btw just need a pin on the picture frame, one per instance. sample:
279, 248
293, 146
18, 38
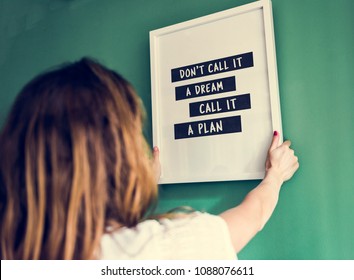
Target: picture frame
215, 97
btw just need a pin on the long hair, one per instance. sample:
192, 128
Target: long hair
73, 162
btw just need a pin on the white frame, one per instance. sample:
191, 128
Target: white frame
155, 35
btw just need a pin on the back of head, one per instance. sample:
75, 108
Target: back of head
73, 162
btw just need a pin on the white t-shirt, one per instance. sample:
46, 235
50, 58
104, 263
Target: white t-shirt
197, 236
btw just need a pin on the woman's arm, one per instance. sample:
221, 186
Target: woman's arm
248, 218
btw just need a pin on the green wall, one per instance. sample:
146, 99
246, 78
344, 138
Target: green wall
315, 41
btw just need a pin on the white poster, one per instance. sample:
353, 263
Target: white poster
215, 95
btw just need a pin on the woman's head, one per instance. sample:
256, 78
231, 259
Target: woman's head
73, 162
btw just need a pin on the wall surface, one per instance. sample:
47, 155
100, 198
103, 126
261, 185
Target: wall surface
315, 50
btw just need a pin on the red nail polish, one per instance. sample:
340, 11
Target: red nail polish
275, 133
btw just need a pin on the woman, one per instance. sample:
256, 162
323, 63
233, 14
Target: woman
77, 180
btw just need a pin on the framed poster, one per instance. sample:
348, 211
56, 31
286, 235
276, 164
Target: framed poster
215, 99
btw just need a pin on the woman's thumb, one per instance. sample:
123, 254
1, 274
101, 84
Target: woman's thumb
156, 153
275, 141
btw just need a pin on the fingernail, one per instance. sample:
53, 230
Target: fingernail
275, 133
156, 148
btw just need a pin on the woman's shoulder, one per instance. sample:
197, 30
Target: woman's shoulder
193, 236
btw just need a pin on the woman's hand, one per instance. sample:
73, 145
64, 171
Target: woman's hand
281, 159
156, 165
249, 217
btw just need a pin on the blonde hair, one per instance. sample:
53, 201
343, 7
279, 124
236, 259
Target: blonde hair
73, 162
